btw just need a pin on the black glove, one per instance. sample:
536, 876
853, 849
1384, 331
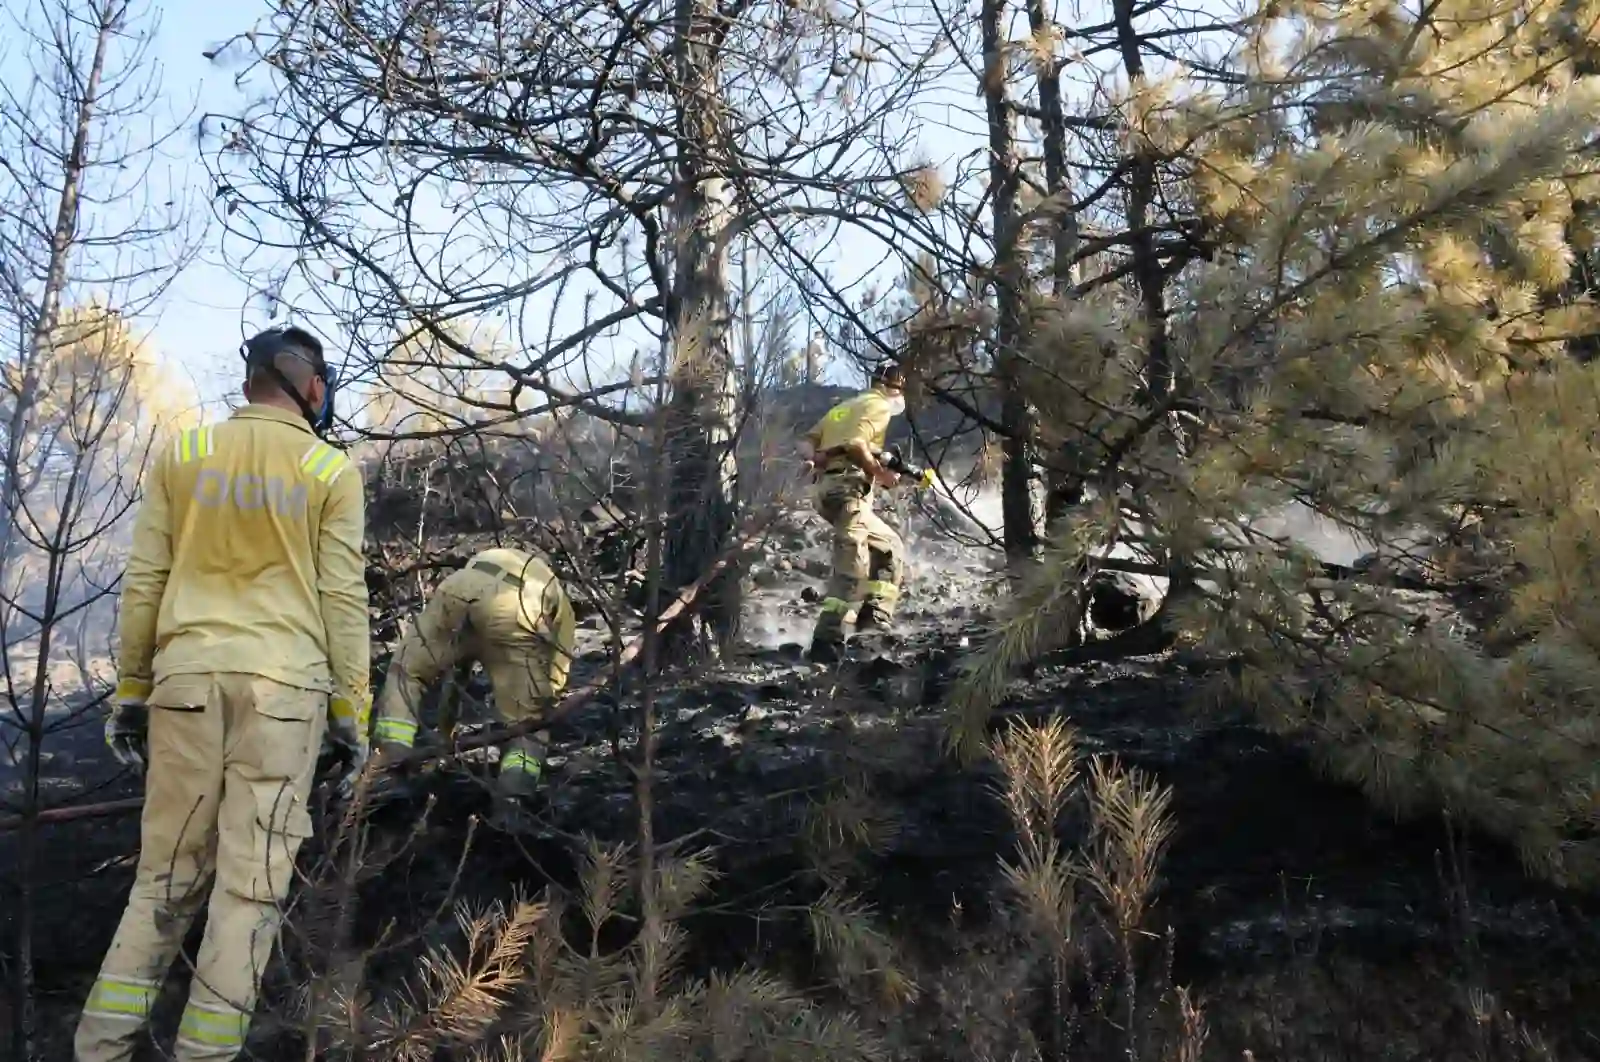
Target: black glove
127, 728
344, 745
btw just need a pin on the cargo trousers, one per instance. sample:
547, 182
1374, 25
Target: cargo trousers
868, 556
232, 759
486, 613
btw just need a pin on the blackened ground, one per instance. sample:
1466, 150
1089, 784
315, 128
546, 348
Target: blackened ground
1313, 926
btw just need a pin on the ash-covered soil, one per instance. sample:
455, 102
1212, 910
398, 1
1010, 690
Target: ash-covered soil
1312, 925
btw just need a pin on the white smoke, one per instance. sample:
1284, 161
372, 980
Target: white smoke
952, 557
767, 623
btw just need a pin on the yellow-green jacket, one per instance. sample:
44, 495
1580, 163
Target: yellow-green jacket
865, 417
247, 558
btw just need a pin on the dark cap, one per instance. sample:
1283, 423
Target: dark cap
888, 372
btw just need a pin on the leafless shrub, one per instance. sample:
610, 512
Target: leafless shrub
85, 252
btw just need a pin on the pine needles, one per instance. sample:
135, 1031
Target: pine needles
1380, 342
461, 998
1071, 904
521, 981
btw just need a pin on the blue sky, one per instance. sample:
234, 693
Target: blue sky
209, 310
199, 323
202, 324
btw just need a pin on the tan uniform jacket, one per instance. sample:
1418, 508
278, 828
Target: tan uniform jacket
247, 558
865, 417
539, 609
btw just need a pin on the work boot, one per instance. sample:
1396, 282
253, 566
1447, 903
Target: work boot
825, 650
827, 638
873, 616
518, 796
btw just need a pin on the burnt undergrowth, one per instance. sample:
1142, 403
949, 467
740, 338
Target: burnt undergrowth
1308, 923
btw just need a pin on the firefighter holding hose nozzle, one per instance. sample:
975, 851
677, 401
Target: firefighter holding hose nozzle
849, 461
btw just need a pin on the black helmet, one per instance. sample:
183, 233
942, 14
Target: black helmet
261, 351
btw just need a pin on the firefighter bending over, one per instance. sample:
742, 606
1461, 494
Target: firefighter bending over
868, 554
244, 645
507, 610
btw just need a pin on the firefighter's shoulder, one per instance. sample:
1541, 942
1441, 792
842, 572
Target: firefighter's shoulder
873, 400
856, 405
193, 444
324, 462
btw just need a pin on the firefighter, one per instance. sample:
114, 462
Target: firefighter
868, 554
244, 647
506, 609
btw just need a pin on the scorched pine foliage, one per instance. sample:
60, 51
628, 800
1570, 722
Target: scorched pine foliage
1384, 335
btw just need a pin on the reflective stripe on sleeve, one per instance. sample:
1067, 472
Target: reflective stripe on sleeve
324, 463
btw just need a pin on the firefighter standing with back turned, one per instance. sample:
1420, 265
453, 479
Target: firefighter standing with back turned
868, 554
506, 609
244, 646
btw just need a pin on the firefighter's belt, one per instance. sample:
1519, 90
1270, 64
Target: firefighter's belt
835, 460
494, 569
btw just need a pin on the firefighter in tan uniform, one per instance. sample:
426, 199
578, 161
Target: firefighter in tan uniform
506, 609
868, 555
244, 647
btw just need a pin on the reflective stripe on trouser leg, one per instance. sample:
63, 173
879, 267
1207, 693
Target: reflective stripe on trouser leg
122, 997
882, 591
176, 852
432, 644
117, 1010
211, 1032
524, 755
262, 823
240, 935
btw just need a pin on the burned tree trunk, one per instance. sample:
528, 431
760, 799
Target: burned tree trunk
1063, 486
1148, 273
699, 413
1016, 476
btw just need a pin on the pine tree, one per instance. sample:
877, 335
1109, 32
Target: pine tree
1382, 335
